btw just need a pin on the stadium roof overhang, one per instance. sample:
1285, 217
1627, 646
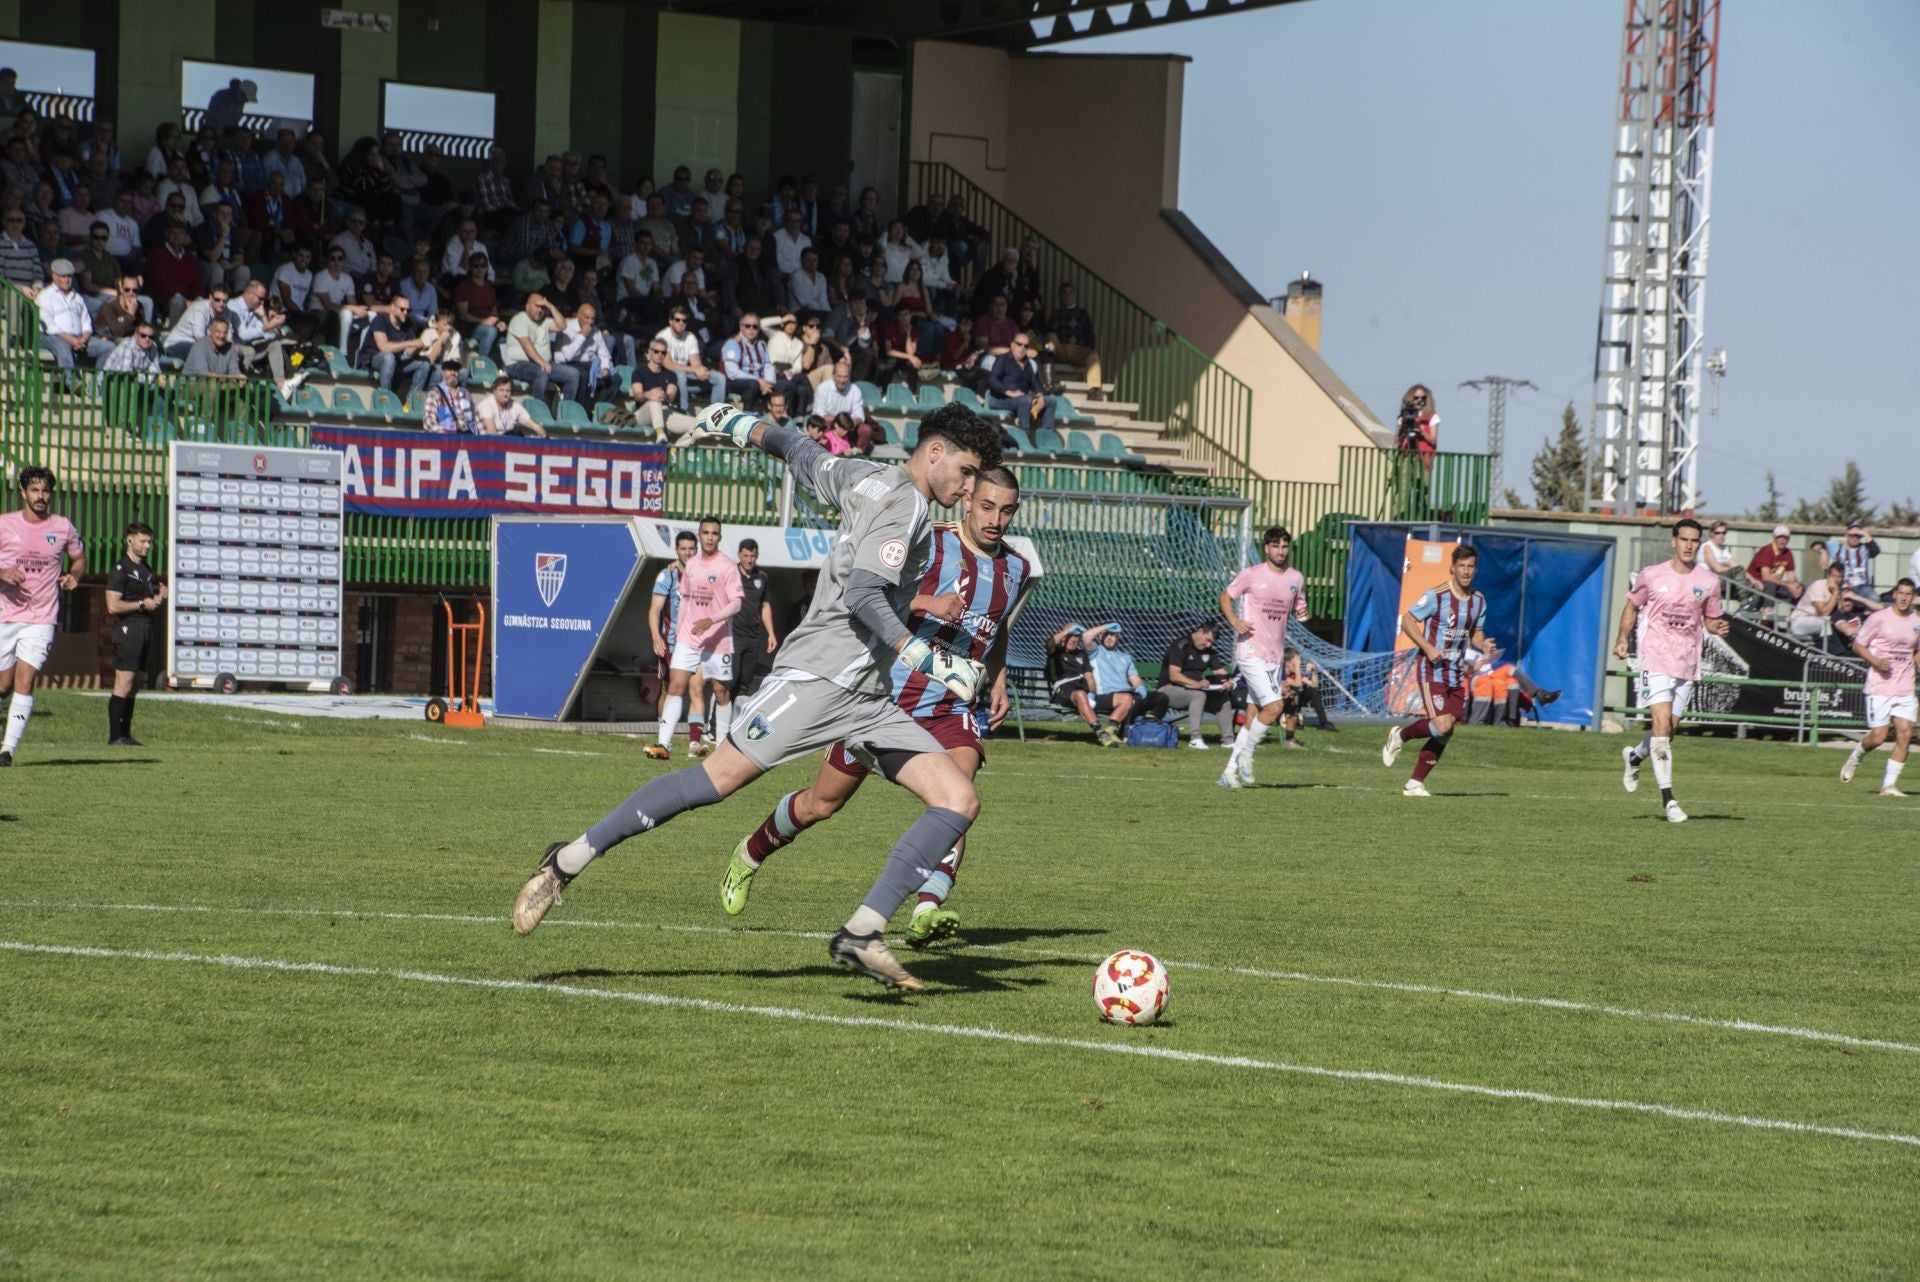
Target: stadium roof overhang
1008, 24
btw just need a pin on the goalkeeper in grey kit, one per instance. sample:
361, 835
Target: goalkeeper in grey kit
830, 684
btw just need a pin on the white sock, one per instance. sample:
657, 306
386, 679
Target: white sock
17, 713
1644, 749
1663, 762
1858, 754
670, 717
575, 855
1256, 731
866, 921
722, 719
1893, 774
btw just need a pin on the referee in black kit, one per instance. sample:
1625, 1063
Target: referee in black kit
753, 638
134, 595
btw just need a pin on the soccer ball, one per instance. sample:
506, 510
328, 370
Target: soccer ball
1130, 988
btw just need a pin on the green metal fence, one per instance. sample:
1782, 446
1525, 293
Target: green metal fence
1206, 409
19, 320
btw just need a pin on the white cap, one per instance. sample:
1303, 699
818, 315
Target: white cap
1781, 532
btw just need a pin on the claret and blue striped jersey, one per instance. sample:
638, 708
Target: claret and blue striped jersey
1448, 623
991, 586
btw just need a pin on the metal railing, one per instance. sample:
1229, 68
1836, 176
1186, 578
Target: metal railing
1837, 706
19, 320
455, 146
1207, 411
53, 105
191, 119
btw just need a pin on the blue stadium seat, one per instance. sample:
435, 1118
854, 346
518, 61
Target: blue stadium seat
573, 414
1112, 447
308, 401
537, 411
910, 433
1079, 443
870, 396
388, 406
900, 399
1064, 412
481, 371
338, 367
347, 400
932, 397
1049, 441
1022, 443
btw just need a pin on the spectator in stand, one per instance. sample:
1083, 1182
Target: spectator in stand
331, 297
1116, 681
179, 181
260, 332
898, 250
63, 175
448, 407
1014, 386
840, 395
534, 232
755, 285
807, 288
957, 346
494, 192
683, 358
678, 196
383, 286
223, 190
284, 160
845, 437
192, 325
365, 181
77, 219
501, 415
784, 353
1829, 613
563, 291
360, 250
19, 260
123, 313
546, 186
692, 264
442, 339
270, 216
749, 370
816, 429
17, 167
1191, 679
394, 348
215, 355
123, 227
582, 347
476, 305
293, 289
137, 353
898, 354
166, 149
534, 274
817, 356
996, 328
666, 236
1001, 281
530, 345
405, 175
653, 386
1715, 554
99, 271
1070, 335
1070, 673
1418, 433
853, 331
46, 243
696, 230
419, 289
173, 273
1854, 552
66, 327
777, 411
967, 242
1771, 571
866, 215
843, 286
313, 211
590, 238
227, 105
464, 246
249, 174
790, 242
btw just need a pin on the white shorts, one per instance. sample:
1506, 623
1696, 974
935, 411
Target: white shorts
28, 642
1882, 708
1263, 681
1657, 687
715, 665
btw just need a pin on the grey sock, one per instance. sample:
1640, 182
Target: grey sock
915, 857
657, 801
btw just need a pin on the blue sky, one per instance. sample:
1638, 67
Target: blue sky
1442, 167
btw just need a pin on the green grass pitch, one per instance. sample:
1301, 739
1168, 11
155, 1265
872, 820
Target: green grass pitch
261, 1016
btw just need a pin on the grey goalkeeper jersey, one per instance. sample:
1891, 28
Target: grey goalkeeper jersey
886, 530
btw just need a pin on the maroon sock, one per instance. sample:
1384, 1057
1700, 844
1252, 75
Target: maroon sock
768, 837
1429, 758
926, 898
1417, 729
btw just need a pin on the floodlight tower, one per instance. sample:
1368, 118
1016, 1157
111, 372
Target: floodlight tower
1650, 359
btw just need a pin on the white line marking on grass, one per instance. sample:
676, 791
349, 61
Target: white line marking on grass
565, 752
262, 721
428, 738
1248, 972
711, 1006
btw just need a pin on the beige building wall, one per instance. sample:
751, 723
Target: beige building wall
1086, 149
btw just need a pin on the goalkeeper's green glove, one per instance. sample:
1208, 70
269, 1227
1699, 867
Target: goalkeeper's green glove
962, 676
722, 421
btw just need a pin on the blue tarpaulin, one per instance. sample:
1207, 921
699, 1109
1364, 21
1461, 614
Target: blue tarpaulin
1546, 602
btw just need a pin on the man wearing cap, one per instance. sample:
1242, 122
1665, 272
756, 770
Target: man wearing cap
1771, 570
227, 105
1116, 681
1191, 679
1070, 671
1854, 552
66, 330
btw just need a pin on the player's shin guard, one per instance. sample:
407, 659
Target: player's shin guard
1893, 774
657, 801
914, 858
935, 889
18, 711
1418, 728
776, 830
670, 717
1430, 753
722, 721
696, 729
1663, 763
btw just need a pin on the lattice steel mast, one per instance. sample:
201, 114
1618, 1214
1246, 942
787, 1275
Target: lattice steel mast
1497, 385
1650, 361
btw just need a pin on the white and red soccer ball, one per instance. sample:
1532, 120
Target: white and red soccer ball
1130, 987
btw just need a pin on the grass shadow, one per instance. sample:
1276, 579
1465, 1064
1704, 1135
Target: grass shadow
93, 761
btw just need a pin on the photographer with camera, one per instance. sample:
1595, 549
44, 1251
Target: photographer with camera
1419, 430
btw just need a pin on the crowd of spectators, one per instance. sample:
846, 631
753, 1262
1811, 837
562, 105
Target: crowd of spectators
1826, 611
560, 274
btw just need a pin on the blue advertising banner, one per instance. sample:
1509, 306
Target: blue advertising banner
557, 585
389, 473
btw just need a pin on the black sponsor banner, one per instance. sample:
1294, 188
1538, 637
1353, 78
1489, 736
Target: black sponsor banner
1762, 654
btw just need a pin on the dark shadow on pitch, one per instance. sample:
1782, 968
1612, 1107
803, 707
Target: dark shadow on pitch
1473, 794
93, 761
978, 972
998, 936
596, 972
1693, 818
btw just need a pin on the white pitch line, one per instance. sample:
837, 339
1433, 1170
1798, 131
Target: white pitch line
1249, 972
564, 752
710, 1006
431, 738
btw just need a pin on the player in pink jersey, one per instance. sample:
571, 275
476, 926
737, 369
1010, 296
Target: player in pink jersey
1443, 624
1270, 594
710, 596
1673, 602
1886, 641
32, 541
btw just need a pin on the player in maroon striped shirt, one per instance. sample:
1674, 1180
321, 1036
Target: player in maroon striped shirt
1442, 625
